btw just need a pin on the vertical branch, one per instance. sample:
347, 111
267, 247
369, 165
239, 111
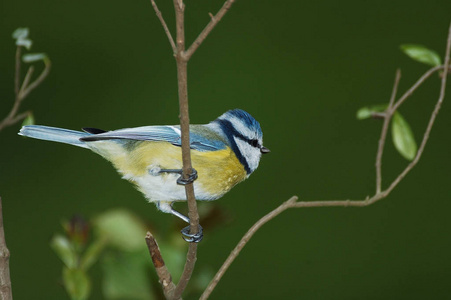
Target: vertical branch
387, 117
182, 57
182, 75
5, 280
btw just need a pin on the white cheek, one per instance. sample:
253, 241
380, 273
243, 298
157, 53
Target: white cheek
251, 154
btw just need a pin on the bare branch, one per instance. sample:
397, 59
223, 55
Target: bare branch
160, 267
292, 202
23, 91
213, 22
191, 258
387, 118
26, 89
165, 26
244, 240
193, 214
431, 120
415, 86
5, 279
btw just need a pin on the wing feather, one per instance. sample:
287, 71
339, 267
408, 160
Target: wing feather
171, 134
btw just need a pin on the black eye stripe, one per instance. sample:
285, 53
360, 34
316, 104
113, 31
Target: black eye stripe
232, 133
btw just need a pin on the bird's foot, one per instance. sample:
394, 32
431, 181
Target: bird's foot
190, 179
181, 180
190, 237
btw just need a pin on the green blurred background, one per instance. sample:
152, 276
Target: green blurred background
302, 69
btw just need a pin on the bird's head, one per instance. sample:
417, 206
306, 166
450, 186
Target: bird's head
245, 137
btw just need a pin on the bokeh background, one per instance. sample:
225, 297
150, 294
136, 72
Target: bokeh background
302, 69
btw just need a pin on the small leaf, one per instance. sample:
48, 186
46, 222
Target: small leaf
29, 120
367, 112
92, 254
77, 283
32, 57
21, 33
24, 42
63, 248
403, 138
422, 54
21, 37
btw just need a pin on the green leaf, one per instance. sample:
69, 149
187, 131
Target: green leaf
32, 57
21, 33
125, 276
77, 283
27, 43
422, 54
367, 111
92, 254
122, 229
29, 120
403, 138
21, 37
64, 249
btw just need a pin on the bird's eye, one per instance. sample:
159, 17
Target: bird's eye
254, 143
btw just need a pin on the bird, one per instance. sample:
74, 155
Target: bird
224, 152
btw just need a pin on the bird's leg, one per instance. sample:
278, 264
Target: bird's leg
181, 180
189, 237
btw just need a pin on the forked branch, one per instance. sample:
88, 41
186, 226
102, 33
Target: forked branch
380, 194
182, 57
23, 90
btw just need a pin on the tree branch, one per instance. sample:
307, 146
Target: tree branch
379, 195
182, 79
387, 118
28, 88
433, 116
182, 57
165, 27
22, 91
5, 279
163, 273
213, 22
244, 240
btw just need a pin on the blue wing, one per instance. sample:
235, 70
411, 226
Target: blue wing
202, 138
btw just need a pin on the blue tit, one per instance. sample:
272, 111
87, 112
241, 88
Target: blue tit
224, 152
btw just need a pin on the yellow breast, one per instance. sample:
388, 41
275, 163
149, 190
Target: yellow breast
218, 171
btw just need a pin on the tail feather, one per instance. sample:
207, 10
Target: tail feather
54, 134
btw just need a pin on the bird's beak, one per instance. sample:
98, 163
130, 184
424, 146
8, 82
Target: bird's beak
264, 150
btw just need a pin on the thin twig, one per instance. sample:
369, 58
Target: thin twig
292, 203
287, 204
432, 119
22, 91
213, 22
387, 117
165, 26
38, 80
160, 267
5, 279
415, 86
